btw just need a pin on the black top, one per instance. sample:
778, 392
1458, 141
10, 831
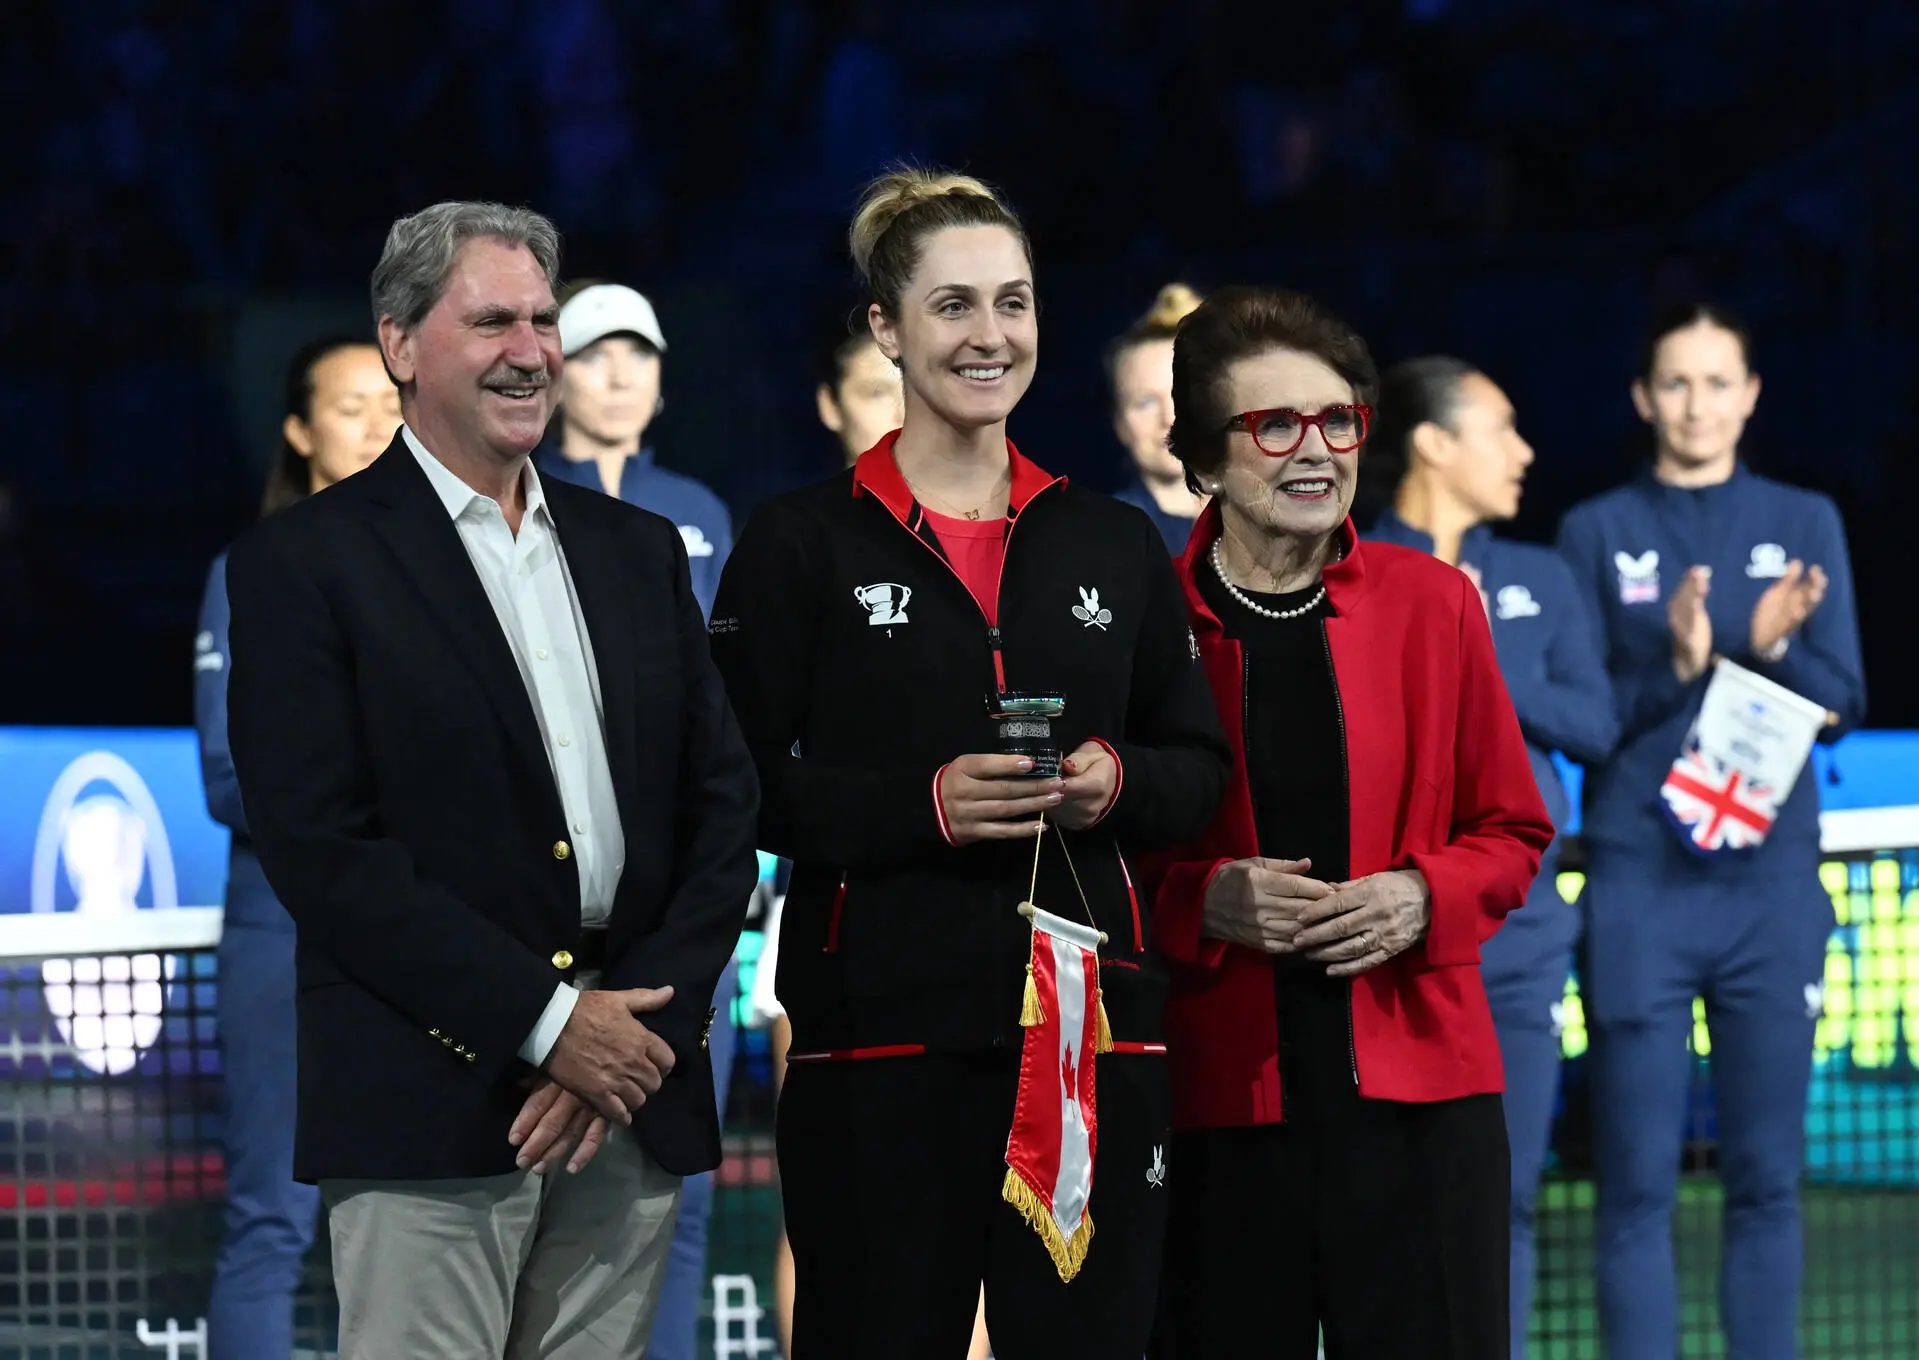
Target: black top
1295, 753
860, 663
1296, 766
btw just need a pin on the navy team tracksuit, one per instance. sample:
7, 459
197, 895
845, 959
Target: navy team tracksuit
270, 1217
1748, 933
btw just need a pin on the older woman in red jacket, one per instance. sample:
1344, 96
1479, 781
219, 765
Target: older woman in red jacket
1340, 1159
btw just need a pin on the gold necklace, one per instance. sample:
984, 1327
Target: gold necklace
947, 507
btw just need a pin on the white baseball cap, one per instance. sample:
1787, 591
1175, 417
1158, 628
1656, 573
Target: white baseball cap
607, 309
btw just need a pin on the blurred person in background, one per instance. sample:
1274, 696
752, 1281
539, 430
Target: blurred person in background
341, 412
1447, 454
1339, 1163
1139, 364
864, 625
859, 396
1696, 560
609, 396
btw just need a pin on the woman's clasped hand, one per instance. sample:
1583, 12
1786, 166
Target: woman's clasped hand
1277, 907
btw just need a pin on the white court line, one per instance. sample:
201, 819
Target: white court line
1853, 830
61, 934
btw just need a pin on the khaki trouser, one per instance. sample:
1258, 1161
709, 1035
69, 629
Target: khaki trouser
520, 1266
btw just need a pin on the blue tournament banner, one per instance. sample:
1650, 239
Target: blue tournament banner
104, 821
108, 859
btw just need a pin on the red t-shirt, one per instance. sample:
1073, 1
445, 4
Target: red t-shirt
977, 550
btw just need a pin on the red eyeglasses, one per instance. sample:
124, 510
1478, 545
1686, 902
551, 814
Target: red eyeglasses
1281, 430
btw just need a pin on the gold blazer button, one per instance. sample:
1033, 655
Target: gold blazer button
561, 850
563, 960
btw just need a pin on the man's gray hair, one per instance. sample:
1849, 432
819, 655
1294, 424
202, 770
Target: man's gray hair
418, 258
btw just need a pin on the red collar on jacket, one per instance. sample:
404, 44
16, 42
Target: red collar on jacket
878, 473
1345, 579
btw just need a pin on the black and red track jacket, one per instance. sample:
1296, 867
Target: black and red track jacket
860, 666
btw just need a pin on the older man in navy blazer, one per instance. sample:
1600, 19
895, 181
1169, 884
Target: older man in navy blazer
494, 778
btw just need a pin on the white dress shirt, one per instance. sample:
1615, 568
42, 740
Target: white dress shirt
531, 590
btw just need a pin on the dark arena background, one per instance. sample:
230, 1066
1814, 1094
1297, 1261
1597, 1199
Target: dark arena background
201, 186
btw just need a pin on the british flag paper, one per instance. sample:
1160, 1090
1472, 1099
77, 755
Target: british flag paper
1740, 761
1716, 805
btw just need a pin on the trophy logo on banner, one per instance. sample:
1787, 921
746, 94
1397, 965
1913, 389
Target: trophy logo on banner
110, 842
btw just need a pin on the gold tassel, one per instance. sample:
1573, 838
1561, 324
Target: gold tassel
1068, 1253
1102, 1032
1029, 1012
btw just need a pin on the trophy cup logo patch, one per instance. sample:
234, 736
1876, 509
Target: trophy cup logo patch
884, 602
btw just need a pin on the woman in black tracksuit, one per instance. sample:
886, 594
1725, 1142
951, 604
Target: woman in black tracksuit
862, 625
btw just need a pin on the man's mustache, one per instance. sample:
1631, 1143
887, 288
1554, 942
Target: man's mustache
509, 376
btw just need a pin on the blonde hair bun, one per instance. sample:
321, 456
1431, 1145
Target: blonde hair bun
1172, 305
899, 190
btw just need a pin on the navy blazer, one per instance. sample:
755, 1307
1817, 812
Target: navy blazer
403, 805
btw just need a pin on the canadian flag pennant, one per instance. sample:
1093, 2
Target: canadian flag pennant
1739, 762
1049, 1153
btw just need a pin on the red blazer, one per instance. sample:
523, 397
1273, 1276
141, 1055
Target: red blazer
1439, 782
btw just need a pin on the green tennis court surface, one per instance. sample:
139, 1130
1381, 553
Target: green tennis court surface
1861, 1294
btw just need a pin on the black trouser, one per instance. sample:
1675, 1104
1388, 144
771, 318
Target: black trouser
1383, 1222
891, 1171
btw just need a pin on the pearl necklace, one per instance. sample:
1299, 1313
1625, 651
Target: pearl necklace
1219, 566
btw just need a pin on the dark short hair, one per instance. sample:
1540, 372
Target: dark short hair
292, 474
1687, 315
1238, 323
1411, 394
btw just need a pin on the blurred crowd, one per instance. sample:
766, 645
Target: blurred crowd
252, 144
1438, 167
